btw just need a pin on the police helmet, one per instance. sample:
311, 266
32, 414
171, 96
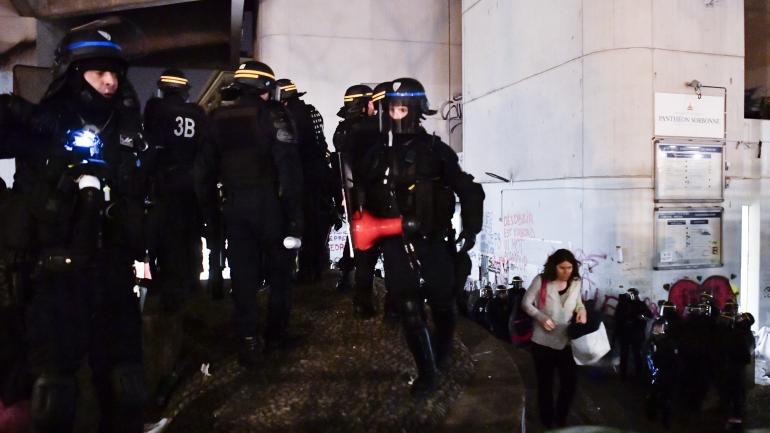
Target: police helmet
410, 92
173, 81
355, 100
633, 294
380, 91
744, 320
87, 50
80, 51
255, 75
286, 89
380, 101
667, 310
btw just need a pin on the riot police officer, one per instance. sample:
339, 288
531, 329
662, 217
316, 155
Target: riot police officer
77, 212
318, 198
631, 318
254, 152
417, 178
175, 128
355, 134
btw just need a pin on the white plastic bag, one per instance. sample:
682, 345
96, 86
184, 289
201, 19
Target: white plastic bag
590, 348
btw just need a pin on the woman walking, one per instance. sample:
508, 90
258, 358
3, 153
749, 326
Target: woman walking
552, 299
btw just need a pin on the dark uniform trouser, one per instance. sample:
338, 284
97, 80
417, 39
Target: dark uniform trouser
437, 270
178, 252
365, 262
631, 340
255, 226
316, 231
91, 310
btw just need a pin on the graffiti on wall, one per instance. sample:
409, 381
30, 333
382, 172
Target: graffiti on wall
518, 228
588, 274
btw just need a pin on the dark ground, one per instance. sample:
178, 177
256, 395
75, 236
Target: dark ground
349, 375
346, 375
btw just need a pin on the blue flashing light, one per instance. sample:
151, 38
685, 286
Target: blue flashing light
84, 143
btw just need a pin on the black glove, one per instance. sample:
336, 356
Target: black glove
466, 240
294, 229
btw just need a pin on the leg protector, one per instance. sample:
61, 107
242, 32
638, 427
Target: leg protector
418, 341
129, 386
124, 414
445, 320
54, 399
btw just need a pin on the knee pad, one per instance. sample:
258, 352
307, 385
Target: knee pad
128, 384
54, 398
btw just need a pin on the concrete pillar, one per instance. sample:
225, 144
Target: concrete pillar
558, 96
327, 46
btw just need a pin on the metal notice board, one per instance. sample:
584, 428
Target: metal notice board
688, 237
691, 171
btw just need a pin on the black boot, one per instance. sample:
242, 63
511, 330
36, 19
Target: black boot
215, 285
363, 304
445, 321
418, 341
391, 313
248, 352
343, 281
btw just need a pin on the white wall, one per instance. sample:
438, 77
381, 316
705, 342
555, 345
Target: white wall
559, 97
326, 46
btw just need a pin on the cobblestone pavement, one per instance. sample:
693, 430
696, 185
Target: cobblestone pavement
346, 375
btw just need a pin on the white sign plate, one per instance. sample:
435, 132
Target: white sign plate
684, 115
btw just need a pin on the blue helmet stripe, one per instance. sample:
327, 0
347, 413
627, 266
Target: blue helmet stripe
404, 94
86, 44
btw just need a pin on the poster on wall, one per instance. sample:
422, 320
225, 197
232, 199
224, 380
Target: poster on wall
689, 171
687, 115
688, 238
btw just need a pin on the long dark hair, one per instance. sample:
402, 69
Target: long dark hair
560, 256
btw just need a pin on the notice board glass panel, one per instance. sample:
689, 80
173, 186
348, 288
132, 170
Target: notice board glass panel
688, 237
689, 171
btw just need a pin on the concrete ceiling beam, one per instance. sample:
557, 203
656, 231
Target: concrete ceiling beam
54, 9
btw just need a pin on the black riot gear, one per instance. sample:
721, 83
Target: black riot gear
417, 178
173, 81
354, 137
286, 89
253, 153
176, 130
319, 198
77, 218
380, 101
410, 93
255, 75
630, 317
355, 101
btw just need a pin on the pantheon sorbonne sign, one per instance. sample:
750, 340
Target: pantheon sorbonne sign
686, 115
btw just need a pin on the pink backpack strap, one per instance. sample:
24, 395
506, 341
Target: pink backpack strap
543, 292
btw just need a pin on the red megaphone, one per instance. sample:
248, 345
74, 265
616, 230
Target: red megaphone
367, 229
